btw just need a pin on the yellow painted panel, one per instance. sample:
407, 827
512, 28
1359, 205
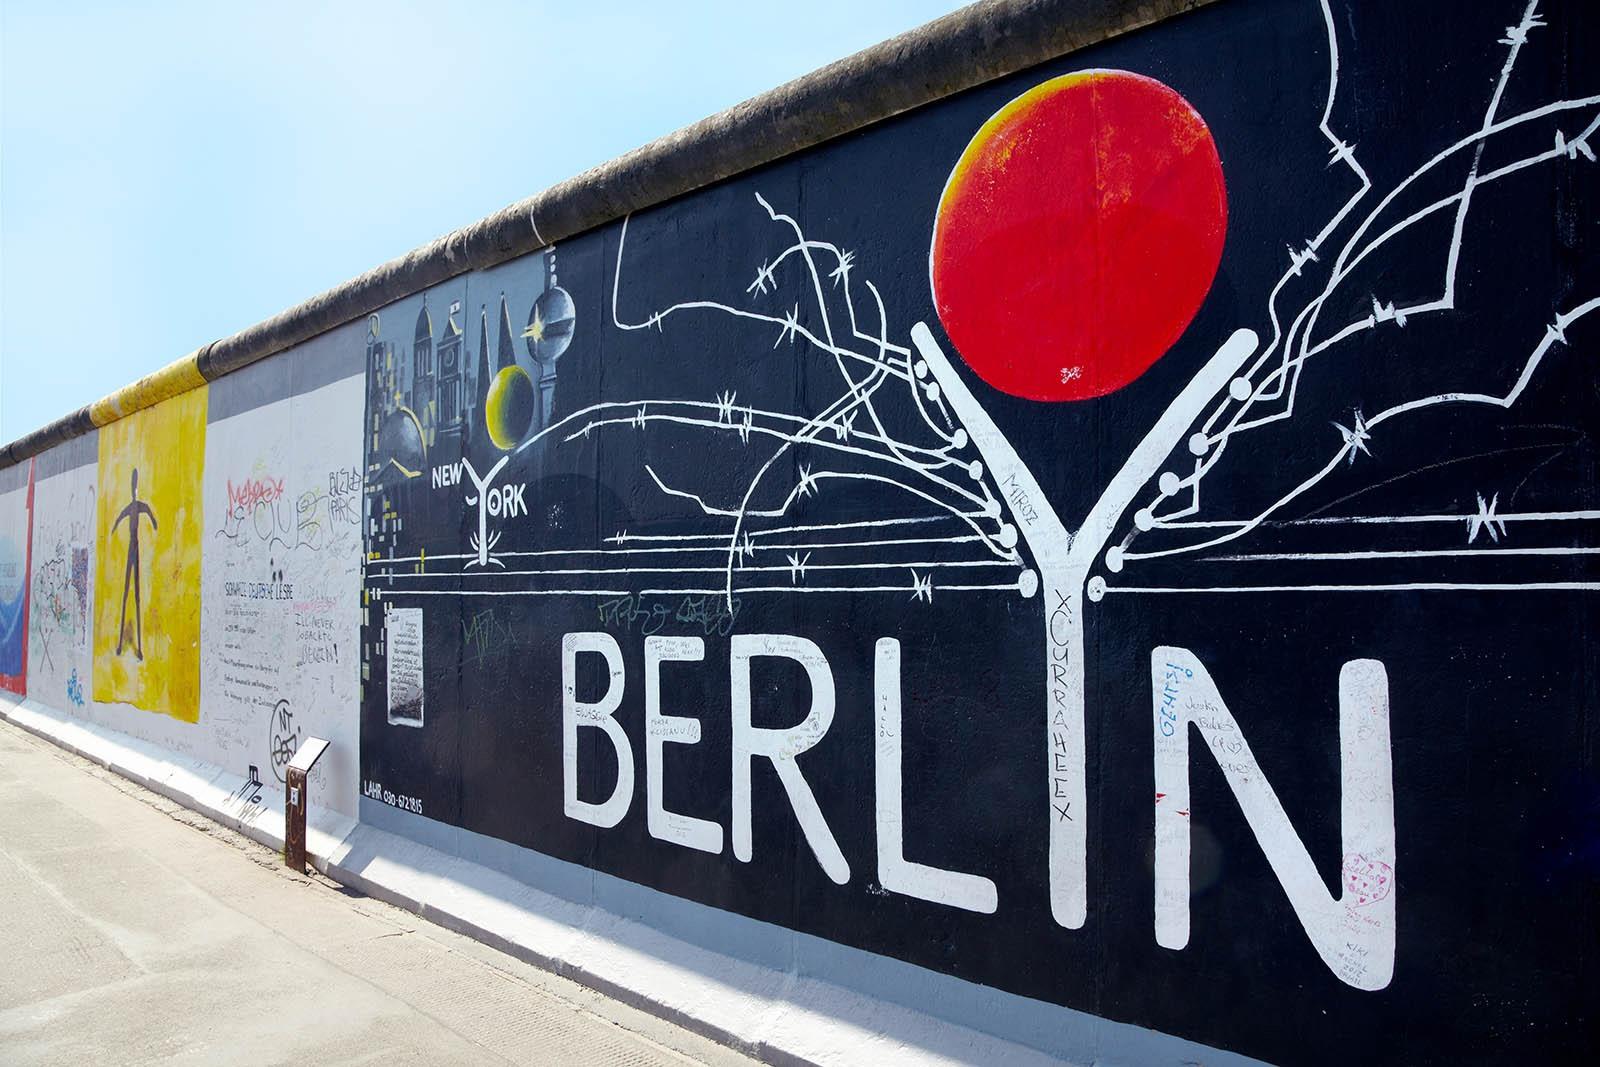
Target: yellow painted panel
147, 558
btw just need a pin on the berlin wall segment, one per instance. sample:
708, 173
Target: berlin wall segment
1124, 535
846, 544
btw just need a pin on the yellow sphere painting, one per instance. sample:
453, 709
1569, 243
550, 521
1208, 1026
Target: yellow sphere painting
508, 409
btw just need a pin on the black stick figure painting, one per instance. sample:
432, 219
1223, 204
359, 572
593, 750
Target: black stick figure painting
133, 509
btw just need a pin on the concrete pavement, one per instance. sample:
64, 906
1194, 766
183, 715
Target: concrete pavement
134, 931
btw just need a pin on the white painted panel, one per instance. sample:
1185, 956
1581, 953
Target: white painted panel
281, 587
62, 609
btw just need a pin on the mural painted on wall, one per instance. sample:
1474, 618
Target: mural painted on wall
59, 624
147, 558
16, 540
1124, 535
282, 559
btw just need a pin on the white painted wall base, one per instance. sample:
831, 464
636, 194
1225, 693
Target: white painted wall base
783, 996
202, 787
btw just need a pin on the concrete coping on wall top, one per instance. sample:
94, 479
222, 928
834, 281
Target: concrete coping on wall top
977, 44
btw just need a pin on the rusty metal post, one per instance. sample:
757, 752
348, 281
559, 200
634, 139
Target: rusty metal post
294, 820
296, 798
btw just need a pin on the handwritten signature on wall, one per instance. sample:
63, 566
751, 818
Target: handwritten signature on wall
647, 615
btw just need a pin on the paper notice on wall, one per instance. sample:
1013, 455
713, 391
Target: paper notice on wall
403, 640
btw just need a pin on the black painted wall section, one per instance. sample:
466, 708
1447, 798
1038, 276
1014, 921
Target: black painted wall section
682, 457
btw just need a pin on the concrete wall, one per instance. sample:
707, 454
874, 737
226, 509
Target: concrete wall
1098, 565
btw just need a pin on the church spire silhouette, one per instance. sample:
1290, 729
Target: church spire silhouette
507, 354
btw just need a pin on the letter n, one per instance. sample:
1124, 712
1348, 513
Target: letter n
1353, 934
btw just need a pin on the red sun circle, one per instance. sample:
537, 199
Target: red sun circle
1078, 235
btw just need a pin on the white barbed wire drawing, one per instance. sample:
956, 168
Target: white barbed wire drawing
1266, 392
945, 511
931, 468
930, 471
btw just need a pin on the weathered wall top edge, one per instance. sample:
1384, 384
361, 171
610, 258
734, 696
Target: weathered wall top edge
977, 44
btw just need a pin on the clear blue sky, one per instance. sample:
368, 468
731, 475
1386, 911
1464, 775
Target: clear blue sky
171, 173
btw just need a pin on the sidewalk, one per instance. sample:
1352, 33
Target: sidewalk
135, 931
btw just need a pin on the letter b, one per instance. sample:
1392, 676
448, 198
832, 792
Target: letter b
601, 714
